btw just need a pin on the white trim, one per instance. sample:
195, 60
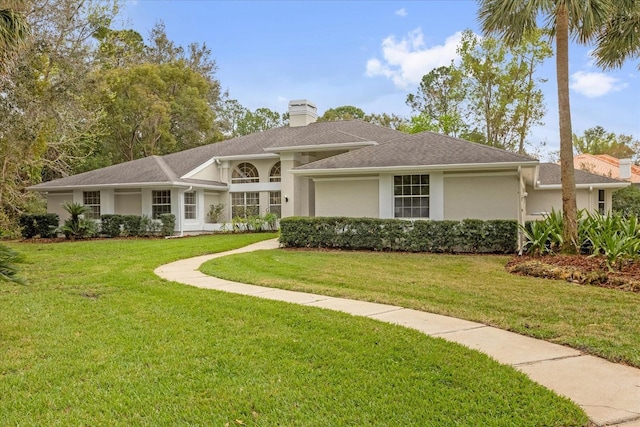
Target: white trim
172, 184
255, 186
600, 186
321, 147
200, 168
249, 157
480, 174
410, 169
347, 178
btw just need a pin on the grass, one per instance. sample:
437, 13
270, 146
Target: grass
599, 321
96, 338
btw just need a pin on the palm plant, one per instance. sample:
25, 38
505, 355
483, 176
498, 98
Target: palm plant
8, 269
586, 21
13, 31
76, 226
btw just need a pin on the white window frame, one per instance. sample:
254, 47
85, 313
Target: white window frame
275, 203
91, 199
190, 205
411, 196
245, 173
602, 202
275, 175
244, 204
160, 203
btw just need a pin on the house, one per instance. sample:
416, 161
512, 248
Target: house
344, 168
605, 165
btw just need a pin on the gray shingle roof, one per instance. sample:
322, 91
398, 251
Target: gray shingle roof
549, 174
423, 149
148, 170
170, 167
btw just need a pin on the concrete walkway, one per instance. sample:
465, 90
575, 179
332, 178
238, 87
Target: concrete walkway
608, 392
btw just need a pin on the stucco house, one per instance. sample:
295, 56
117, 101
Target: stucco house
344, 168
605, 165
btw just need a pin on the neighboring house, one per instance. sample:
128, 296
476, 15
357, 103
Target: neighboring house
344, 168
605, 165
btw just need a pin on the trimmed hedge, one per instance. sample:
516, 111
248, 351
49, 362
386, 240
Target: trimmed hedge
467, 236
43, 225
136, 225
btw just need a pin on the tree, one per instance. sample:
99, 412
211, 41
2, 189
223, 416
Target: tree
346, 112
391, 121
626, 201
438, 102
512, 22
619, 38
596, 140
46, 128
503, 100
238, 120
14, 29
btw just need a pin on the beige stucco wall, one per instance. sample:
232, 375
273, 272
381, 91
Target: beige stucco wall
481, 197
54, 204
352, 198
543, 201
127, 204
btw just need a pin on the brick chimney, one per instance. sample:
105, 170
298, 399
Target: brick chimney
302, 112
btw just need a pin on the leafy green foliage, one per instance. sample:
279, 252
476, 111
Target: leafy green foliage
168, 224
76, 226
612, 236
8, 269
468, 236
626, 201
597, 140
216, 212
43, 225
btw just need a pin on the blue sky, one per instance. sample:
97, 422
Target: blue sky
369, 54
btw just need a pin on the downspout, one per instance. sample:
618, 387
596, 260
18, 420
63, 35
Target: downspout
591, 198
521, 202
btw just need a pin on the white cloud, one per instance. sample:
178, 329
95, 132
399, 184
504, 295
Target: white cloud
593, 85
401, 12
407, 60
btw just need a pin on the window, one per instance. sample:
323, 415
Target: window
91, 199
411, 196
190, 205
602, 207
275, 203
245, 204
160, 203
275, 174
244, 173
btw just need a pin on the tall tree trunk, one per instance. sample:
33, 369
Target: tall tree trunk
569, 207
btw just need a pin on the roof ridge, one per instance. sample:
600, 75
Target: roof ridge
166, 169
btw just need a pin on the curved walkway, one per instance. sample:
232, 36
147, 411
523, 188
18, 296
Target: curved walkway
608, 392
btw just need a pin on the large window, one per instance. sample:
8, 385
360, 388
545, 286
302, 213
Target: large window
275, 203
245, 204
91, 199
244, 173
190, 205
275, 174
411, 196
160, 203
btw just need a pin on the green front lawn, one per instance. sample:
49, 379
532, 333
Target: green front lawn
599, 321
96, 338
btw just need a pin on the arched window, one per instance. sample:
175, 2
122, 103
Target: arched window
244, 173
274, 175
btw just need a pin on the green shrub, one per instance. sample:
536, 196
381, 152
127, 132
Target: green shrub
131, 225
43, 225
168, 224
626, 201
111, 225
473, 236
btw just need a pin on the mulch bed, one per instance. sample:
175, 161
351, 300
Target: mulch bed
579, 269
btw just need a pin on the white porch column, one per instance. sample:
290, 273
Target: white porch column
288, 161
385, 194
